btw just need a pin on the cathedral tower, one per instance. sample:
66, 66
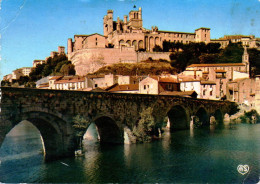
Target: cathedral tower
108, 22
135, 19
245, 59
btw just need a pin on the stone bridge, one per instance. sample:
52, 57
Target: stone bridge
115, 114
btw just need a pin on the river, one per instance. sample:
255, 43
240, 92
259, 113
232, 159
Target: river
209, 155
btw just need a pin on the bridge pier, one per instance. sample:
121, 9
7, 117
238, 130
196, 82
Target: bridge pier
65, 149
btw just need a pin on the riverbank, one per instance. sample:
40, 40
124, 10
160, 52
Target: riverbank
245, 115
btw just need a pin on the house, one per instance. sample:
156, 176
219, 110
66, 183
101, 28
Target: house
242, 91
125, 88
126, 79
67, 82
208, 90
43, 82
37, 62
43, 86
52, 80
221, 74
156, 85
102, 81
190, 84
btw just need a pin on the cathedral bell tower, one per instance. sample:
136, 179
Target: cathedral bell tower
245, 59
108, 23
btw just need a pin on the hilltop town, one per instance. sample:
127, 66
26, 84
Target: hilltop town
126, 43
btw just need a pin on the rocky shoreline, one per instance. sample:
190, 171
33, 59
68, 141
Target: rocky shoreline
244, 115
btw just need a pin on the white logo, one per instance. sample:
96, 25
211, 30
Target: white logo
243, 169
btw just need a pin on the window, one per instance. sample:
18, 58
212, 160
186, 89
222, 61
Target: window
204, 92
96, 85
144, 86
210, 93
221, 75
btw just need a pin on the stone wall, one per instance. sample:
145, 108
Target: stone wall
90, 60
141, 56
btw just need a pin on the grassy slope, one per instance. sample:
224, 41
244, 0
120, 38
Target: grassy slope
143, 68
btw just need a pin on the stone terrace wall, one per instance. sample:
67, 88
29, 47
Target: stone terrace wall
90, 60
141, 56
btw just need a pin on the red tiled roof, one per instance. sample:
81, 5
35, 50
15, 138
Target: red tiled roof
95, 76
216, 65
43, 85
55, 77
125, 87
220, 71
69, 79
208, 82
170, 80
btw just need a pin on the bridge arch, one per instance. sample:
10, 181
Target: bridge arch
203, 116
108, 130
52, 130
218, 116
178, 118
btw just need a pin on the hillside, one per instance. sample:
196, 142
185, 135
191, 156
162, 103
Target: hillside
143, 68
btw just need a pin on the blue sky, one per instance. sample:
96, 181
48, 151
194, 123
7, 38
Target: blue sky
31, 29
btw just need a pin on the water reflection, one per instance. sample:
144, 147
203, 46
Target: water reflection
208, 155
20, 154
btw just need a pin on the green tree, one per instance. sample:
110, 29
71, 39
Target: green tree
231, 54
146, 125
68, 69
80, 124
209, 58
213, 48
47, 70
254, 60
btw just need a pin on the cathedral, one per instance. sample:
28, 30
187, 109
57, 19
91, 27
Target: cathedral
130, 32
127, 41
